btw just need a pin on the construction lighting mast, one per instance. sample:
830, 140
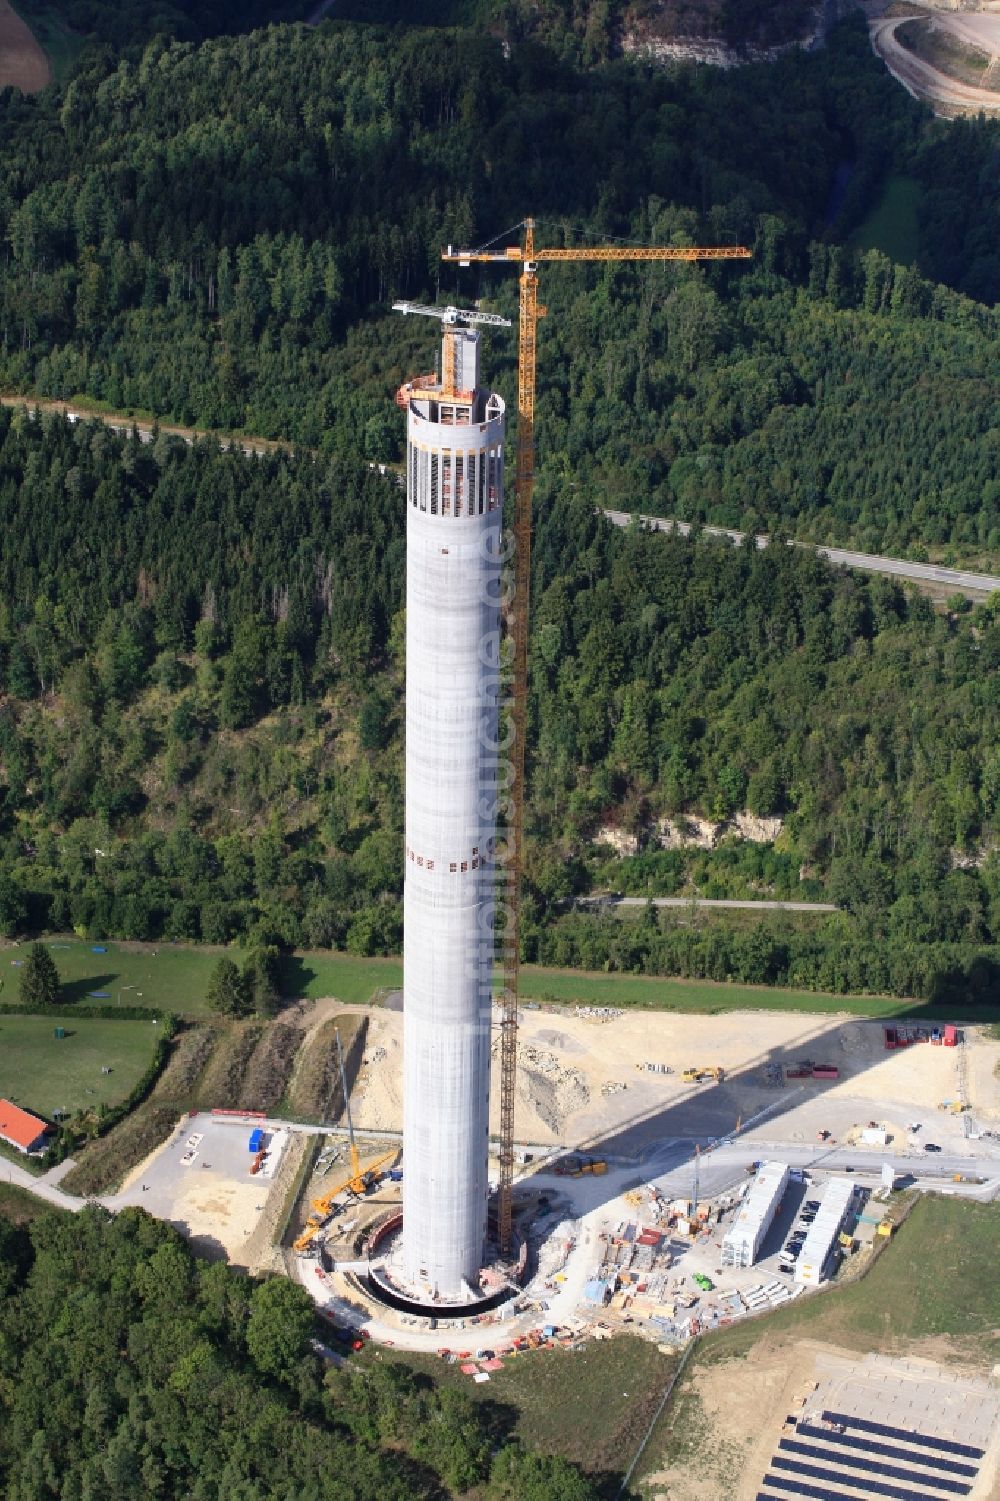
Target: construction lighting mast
528, 257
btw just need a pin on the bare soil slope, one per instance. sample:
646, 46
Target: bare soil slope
23, 64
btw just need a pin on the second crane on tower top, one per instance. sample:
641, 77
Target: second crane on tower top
528, 256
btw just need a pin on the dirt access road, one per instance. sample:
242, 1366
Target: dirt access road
23, 64
945, 95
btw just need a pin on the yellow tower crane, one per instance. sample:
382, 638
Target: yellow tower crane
529, 256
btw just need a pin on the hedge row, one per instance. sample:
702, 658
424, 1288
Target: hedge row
88, 1013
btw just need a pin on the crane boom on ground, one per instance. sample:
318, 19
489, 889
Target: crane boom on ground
358, 1183
355, 1159
528, 256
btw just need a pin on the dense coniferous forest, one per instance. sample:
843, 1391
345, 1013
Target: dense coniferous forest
213, 233
201, 674
133, 1369
201, 652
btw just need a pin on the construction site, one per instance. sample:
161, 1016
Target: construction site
632, 1169
499, 1176
564, 1167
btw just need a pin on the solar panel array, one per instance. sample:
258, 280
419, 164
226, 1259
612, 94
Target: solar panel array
843, 1464
891, 1451
874, 1467
948, 1445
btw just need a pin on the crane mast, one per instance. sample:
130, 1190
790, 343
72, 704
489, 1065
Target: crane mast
528, 257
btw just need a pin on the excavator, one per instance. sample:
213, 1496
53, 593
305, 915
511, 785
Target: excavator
695, 1075
357, 1183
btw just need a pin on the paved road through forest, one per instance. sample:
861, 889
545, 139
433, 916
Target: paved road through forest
931, 575
959, 580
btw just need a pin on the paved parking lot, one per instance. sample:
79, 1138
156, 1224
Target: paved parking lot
200, 1181
910, 1394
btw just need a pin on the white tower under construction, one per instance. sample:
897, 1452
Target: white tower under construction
454, 496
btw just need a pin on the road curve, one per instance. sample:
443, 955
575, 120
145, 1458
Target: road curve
959, 580
923, 81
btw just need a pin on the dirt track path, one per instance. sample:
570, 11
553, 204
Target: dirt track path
23, 64
945, 95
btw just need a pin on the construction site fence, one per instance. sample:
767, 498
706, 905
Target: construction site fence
297, 1188
675, 1377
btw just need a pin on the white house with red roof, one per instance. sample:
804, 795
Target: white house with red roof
21, 1129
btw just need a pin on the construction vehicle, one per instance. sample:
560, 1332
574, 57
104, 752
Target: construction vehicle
696, 1075
953, 1107
358, 1183
527, 257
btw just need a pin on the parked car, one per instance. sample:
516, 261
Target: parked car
930, 1146
812, 1204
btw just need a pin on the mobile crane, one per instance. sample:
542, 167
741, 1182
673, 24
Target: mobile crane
357, 1183
528, 257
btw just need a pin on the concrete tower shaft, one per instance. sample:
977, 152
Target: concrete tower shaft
455, 438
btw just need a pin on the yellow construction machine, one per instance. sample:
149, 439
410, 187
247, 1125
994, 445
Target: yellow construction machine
695, 1075
357, 1183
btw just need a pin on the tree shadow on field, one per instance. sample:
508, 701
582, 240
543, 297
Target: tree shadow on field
207, 1247
78, 992
294, 978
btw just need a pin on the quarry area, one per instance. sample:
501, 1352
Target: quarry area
945, 54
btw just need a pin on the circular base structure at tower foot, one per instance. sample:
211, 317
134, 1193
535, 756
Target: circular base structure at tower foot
384, 1282
386, 1292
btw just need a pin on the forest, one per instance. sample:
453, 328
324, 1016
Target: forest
201, 675
201, 652
213, 233
131, 1368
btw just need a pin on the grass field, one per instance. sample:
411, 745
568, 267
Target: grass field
892, 225
42, 1074
175, 978
21, 1207
172, 978
592, 1406
651, 993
